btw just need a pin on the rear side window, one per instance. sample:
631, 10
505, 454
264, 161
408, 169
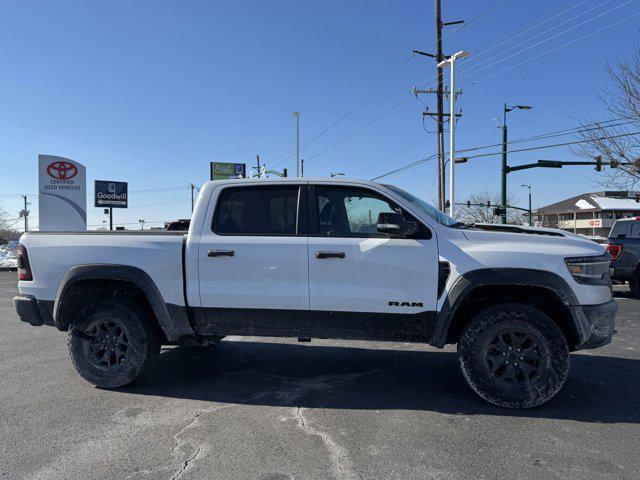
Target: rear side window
622, 229
257, 211
635, 230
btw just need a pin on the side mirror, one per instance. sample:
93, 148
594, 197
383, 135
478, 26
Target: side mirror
395, 224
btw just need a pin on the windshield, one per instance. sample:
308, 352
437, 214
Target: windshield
424, 207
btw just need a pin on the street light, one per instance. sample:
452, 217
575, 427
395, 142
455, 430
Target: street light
530, 215
503, 189
336, 174
142, 221
451, 61
297, 115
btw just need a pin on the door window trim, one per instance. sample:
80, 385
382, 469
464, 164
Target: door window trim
301, 207
314, 214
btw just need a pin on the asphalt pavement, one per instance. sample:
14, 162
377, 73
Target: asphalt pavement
272, 409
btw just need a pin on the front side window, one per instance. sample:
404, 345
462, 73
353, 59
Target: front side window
424, 207
354, 212
256, 211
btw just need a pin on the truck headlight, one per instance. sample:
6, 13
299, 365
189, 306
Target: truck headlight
590, 270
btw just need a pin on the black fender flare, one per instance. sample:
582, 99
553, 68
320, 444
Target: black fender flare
172, 319
469, 281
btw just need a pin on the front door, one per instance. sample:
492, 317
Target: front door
253, 262
376, 285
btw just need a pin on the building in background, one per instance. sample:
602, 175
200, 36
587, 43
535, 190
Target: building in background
590, 214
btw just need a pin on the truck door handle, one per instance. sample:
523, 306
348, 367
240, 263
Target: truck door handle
330, 255
221, 253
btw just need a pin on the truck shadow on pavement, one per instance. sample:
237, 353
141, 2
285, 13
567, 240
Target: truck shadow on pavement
600, 389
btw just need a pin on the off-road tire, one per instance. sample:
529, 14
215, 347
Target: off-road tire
124, 323
634, 285
532, 371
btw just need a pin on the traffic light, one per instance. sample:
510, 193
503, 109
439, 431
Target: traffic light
598, 167
468, 203
447, 204
614, 163
488, 203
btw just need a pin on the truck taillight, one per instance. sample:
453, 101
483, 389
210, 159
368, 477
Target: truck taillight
614, 251
24, 269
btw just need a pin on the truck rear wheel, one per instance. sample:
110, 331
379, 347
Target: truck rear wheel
514, 356
634, 285
113, 344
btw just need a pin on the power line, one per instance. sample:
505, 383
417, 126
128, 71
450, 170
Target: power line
390, 121
467, 23
563, 144
502, 53
424, 160
551, 134
475, 82
516, 34
406, 167
409, 147
403, 103
504, 58
375, 92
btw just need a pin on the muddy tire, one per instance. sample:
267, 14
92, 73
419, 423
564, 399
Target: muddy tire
514, 356
113, 344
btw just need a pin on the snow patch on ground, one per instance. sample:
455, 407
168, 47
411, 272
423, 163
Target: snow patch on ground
8, 257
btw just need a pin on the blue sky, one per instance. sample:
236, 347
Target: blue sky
150, 92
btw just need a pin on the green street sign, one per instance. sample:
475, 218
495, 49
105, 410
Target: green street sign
225, 170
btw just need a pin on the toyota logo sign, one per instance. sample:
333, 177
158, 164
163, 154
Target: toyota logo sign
62, 170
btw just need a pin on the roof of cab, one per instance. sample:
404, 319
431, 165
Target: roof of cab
338, 180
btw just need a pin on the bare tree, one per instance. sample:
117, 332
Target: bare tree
622, 101
6, 232
479, 212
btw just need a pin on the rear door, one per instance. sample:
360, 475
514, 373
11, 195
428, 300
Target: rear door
375, 285
253, 260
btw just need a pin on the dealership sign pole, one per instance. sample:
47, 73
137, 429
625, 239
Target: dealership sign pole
109, 194
62, 199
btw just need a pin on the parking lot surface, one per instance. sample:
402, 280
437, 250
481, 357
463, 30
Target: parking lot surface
275, 409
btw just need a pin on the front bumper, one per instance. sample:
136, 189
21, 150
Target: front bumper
622, 273
595, 323
32, 311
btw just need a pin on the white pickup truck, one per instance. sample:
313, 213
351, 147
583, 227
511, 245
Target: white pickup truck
319, 258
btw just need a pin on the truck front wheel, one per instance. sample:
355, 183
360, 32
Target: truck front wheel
514, 356
113, 344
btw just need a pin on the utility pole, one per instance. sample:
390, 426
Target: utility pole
302, 167
25, 213
258, 164
440, 92
440, 108
192, 189
297, 115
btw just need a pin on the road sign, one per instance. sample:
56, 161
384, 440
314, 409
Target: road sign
110, 194
595, 223
224, 171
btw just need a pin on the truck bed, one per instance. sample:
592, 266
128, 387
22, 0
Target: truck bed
52, 254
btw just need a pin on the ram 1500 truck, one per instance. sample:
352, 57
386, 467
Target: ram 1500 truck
337, 259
